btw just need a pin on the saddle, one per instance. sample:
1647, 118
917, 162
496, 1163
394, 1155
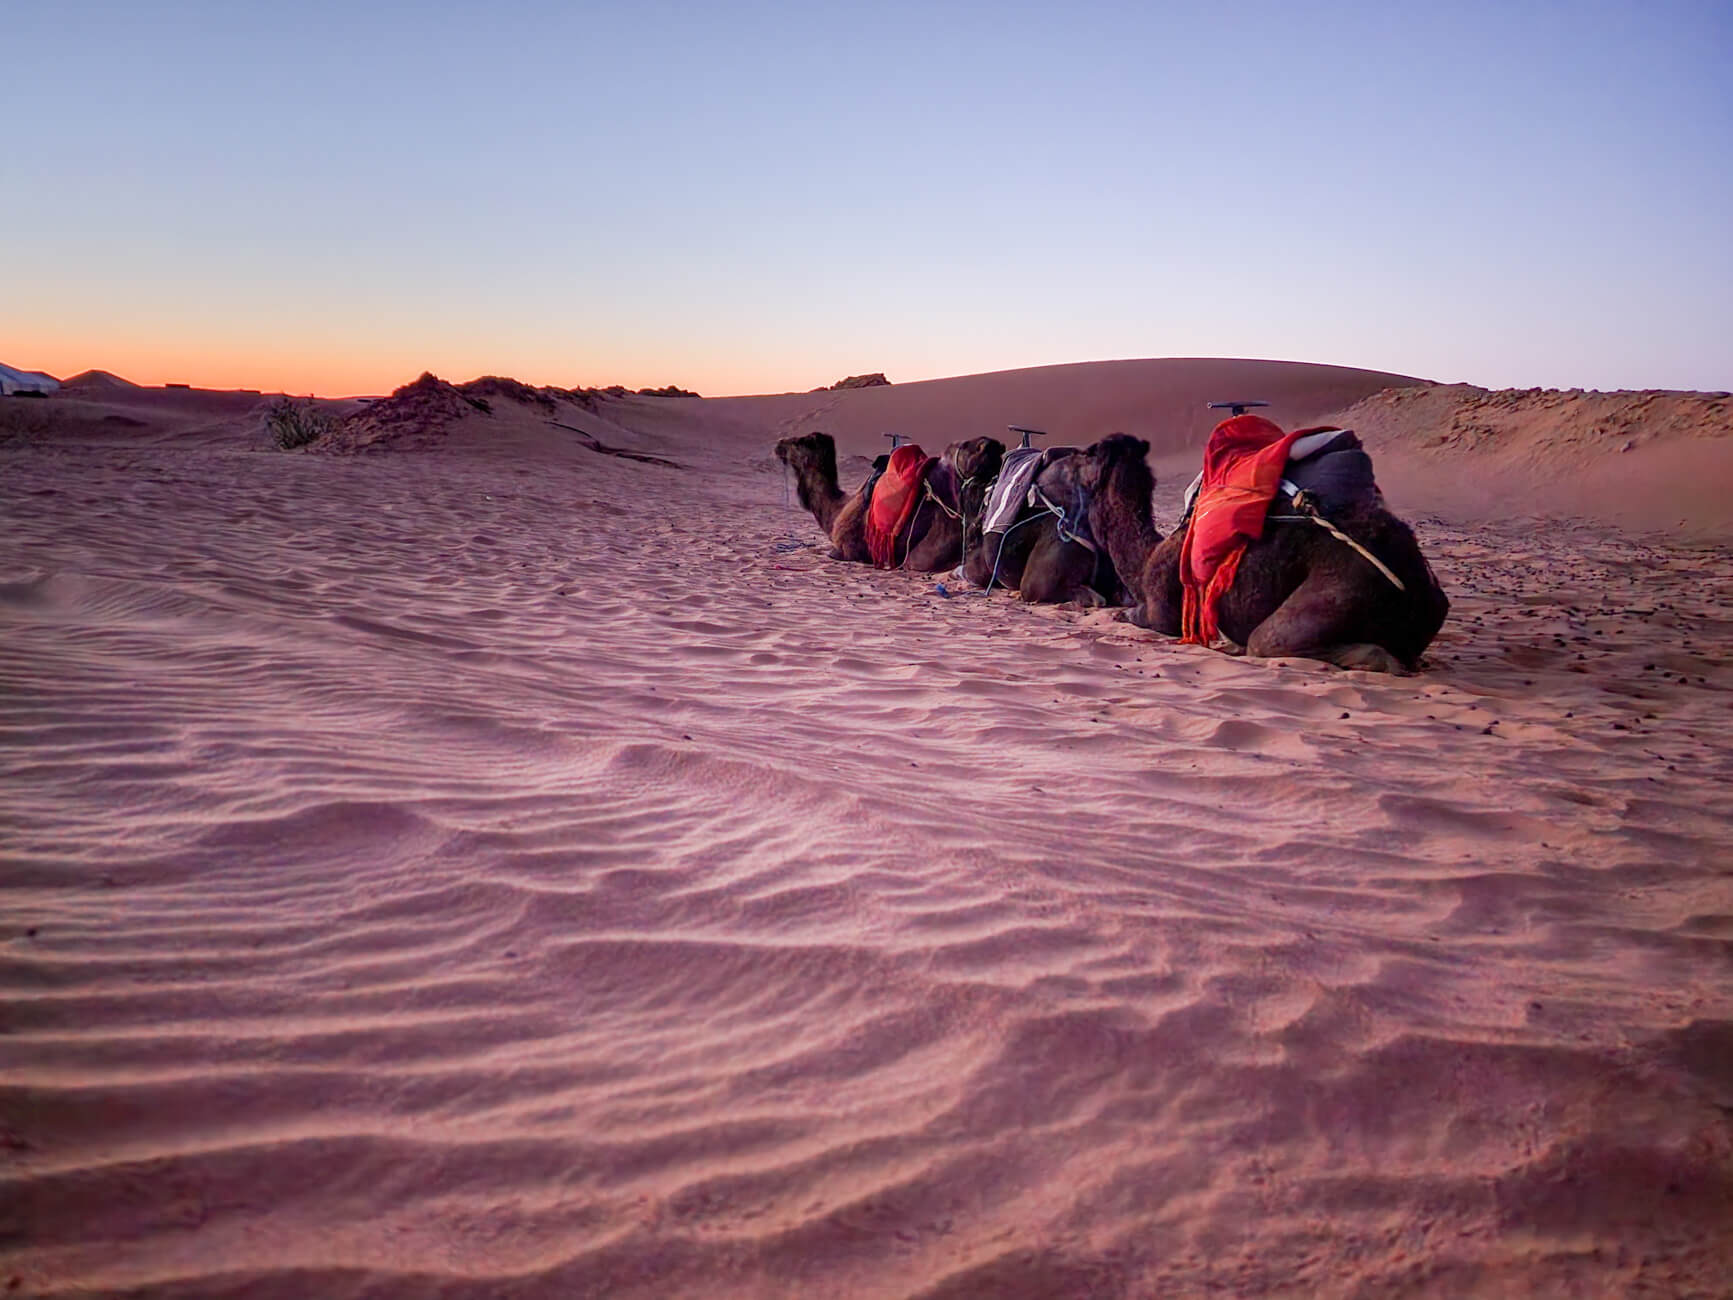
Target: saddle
1329, 465
895, 495
874, 475
1010, 492
1243, 464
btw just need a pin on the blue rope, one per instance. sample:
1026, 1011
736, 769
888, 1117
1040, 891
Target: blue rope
1000, 553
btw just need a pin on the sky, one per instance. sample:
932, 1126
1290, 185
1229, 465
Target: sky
739, 197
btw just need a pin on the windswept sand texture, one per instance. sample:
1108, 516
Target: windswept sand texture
490, 867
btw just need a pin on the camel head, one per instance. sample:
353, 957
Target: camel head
810, 451
1117, 465
1113, 469
976, 458
809, 455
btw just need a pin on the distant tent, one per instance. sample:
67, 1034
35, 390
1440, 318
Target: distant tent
25, 381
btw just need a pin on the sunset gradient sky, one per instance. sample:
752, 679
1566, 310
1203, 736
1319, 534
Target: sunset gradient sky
763, 197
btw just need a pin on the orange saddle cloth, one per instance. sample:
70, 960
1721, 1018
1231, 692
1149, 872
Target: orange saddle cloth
895, 497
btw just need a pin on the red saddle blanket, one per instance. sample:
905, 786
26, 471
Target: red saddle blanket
895, 498
1242, 470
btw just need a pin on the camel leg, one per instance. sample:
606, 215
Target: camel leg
1006, 555
1054, 572
978, 564
1163, 596
1310, 624
940, 541
1041, 586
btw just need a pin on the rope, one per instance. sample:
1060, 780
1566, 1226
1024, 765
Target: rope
934, 497
791, 543
1000, 553
930, 495
1311, 515
908, 532
1067, 533
1071, 534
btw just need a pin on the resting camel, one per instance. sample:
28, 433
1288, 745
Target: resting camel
1299, 591
1032, 558
934, 534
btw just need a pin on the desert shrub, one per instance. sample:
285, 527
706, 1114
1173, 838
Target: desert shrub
296, 424
477, 391
23, 420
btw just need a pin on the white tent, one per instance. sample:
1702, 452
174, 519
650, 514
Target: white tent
25, 381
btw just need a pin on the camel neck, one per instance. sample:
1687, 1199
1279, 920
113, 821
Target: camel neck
1125, 526
821, 496
972, 503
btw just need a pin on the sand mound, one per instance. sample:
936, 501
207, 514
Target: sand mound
1545, 426
1651, 460
96, 380
511, 870
417, 415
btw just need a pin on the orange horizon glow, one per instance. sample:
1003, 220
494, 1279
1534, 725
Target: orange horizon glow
224, 368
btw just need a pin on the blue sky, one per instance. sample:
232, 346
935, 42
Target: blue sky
760, 197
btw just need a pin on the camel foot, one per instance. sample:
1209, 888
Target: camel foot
1366, 658
1140, 616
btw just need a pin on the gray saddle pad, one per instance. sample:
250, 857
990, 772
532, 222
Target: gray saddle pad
1011, 489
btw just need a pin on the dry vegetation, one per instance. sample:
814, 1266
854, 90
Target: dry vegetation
295, 424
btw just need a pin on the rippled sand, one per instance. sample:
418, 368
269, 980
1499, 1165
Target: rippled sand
544, 874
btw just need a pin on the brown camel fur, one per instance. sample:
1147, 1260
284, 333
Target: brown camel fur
934, 536
1300, 592
1042, 566
977, 462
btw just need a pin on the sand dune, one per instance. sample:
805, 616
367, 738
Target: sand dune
97, 380
486, 866
1647, 460
1162, 400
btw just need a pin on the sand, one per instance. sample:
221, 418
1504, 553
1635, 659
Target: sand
481, 866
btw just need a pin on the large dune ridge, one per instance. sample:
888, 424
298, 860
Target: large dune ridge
500, 854
1164, 400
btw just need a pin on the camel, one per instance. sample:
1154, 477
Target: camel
935, 532
1299, 592
1042, 566
976, 462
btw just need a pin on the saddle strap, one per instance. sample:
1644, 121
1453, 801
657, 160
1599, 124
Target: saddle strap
1310, 515
1040, 498
939, 502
